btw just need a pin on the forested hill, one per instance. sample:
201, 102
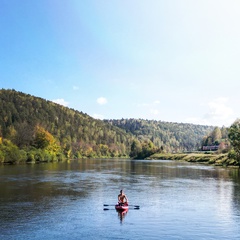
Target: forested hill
24, 119
34, 129
168, 136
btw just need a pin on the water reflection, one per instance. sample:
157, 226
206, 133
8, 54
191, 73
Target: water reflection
122, 215
235, 176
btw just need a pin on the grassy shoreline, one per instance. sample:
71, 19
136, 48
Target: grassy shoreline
205, 158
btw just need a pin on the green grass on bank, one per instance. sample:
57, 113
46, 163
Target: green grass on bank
207, 158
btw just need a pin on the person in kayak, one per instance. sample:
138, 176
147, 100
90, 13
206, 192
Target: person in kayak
122, 198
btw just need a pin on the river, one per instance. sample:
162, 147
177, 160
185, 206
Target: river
178, 200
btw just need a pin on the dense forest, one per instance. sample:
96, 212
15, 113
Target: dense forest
167, 136
41, 127
33, 129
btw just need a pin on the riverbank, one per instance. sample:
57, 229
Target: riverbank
206, 158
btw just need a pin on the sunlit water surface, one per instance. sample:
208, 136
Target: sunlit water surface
177, 200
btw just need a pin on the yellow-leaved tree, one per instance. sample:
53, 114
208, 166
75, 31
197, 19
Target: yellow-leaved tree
46, 141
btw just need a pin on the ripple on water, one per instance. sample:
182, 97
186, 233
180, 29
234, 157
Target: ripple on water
177, 201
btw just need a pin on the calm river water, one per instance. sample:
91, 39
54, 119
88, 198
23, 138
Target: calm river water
178, 200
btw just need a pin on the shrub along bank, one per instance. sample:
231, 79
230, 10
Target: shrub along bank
205, 158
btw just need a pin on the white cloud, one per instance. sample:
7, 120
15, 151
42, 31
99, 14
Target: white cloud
150, 108
218, 114
218, 109
61, 101
98, 116
102, 101
148, 104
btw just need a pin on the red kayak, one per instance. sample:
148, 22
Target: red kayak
121, 207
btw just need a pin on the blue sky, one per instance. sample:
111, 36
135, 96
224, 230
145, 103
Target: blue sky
171, 60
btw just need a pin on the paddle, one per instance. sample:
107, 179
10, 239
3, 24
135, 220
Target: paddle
135, 206
107, 205
105, 209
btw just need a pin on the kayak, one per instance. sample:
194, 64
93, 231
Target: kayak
120, 207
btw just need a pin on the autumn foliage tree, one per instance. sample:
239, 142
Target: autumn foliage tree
42, 138
45, 140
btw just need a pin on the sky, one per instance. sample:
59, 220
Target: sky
168, 60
